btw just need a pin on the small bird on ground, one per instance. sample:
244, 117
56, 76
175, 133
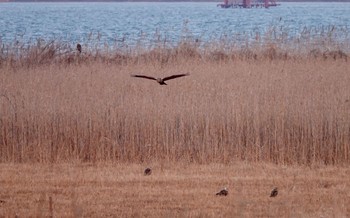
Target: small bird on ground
79, 48
223, 192
274, 192
148, 172
161, 81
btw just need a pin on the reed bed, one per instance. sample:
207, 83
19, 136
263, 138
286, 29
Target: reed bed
258, 103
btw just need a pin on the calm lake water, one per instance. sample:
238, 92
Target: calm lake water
146, 22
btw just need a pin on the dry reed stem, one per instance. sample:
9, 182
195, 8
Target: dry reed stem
278, 111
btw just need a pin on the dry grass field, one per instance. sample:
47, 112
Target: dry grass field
76, 132
173, 190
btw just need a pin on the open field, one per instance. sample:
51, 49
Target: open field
173, 190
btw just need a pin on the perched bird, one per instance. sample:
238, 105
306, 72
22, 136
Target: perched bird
79, 48
148, 172
223, 192
161, 81
274, 192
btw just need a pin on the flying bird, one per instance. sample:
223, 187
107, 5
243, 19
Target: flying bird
274, 192
223, 192
148, 172
161, 81
79, 48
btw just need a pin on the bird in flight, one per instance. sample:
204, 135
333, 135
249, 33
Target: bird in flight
274, 192
223, 192
161, 81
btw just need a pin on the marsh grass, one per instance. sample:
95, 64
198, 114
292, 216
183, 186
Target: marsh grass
266, 101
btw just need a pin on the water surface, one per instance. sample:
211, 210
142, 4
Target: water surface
148, 22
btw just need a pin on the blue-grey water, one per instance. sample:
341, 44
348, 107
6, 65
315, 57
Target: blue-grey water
146, 22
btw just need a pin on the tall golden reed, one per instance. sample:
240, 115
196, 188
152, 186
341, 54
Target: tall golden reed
260, 105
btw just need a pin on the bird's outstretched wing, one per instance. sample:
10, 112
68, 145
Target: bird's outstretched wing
142, 76
175, 76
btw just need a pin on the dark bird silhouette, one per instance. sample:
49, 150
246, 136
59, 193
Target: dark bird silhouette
223, 192
79, 48
148, 172
161, 81
274, 192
